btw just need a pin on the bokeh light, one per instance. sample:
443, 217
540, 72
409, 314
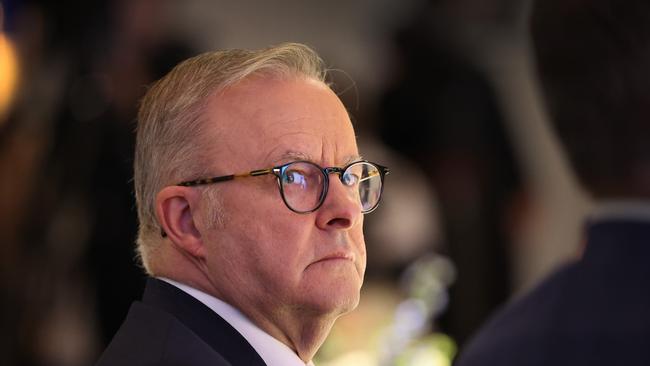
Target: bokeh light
8, 73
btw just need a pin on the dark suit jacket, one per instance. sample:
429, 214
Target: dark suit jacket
170, 327
593, 312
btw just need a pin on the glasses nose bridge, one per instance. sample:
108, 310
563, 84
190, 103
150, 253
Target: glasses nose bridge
334, 170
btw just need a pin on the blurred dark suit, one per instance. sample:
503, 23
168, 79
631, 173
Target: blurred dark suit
593, 312
170, 327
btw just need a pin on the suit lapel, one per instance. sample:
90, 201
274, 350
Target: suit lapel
207, 324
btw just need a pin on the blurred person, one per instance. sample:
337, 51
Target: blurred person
256, 269
592, 59
66, 277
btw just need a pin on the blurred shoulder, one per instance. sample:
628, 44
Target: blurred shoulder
519, 332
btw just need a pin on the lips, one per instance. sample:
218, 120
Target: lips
336, 256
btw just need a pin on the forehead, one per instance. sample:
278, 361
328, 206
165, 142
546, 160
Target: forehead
266, 121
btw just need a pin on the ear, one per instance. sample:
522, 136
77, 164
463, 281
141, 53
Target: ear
175, 208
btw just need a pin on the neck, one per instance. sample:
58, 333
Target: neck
302, 332
300, 329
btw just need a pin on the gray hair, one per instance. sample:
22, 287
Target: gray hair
169, 133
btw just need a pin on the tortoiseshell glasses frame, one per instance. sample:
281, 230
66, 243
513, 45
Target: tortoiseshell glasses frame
303, 184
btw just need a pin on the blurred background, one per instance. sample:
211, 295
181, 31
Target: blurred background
478, 207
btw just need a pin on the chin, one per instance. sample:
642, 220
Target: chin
350, 305
332, 289
337, 301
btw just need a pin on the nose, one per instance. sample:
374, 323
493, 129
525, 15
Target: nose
341, 209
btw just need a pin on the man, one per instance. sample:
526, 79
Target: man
253, 270
593, 58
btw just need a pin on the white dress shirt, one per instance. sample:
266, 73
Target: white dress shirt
272, 351
634, 210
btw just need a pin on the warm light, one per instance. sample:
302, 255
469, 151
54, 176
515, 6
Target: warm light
8, 74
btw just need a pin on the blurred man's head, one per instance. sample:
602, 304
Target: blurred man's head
593, 58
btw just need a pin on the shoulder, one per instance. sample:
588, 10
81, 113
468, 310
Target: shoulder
517, 333
586, 313
590, 312
150, 336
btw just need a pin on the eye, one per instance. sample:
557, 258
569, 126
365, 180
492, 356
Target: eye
350, 179
294, 177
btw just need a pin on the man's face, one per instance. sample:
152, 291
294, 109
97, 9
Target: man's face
266, 258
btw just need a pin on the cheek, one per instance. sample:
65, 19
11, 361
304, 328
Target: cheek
278, 242
361, 250
291, 239
358, 238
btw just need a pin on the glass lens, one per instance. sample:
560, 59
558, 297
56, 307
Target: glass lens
367, 178
302, 186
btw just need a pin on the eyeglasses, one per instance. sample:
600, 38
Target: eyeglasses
303, 185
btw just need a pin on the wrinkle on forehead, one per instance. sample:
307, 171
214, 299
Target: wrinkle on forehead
295, 123
300, 145
293, 155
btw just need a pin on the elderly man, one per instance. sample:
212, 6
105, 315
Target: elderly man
251, 194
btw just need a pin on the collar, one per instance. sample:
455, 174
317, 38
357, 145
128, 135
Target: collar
620, 210
272, 351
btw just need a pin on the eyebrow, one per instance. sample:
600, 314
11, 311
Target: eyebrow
297, 155
353, 158
293, 155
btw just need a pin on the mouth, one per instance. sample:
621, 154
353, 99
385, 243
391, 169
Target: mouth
336, 257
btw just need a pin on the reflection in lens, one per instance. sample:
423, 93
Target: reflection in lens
369, 187
302, 186
350, 178
303, 183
